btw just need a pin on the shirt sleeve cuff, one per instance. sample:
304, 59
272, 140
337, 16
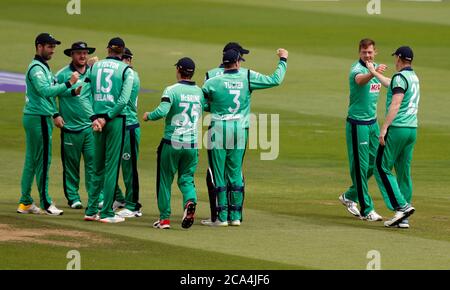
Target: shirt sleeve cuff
398, 90
283, 59
68, 85
56, 115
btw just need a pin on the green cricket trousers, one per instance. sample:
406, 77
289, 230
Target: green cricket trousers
108, 153
362, 144
38, 156
226, 153
130, 175
73, 145
173, 157
397, 153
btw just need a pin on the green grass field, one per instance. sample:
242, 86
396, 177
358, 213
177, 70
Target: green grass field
292, 217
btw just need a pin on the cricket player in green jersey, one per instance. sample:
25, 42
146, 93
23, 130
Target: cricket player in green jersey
362, 132
40, 108
182, 105
110, 82
76, 135
211, 189
229, 97
130, 153
398, 137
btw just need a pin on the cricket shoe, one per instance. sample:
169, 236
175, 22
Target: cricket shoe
53, 210
162, 224
400, 215
31, 208
350, 205
372, 217
77, 205
403, 224
112, 220
118, 205
126, 213
92, 218
216, 223
188, 216
235, 223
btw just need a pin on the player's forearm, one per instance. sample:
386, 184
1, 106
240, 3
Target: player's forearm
393, 110
160, 112
362, 79
259, 81
50, 91
385, 81
68, 93
124, 96
62, 79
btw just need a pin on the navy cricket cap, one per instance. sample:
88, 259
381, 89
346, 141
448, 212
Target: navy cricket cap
231, 56
236, 46
116, 41
127, 53
186, 64
46, 38
404, 52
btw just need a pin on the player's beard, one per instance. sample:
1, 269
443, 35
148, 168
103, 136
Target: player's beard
47, 56
80, 64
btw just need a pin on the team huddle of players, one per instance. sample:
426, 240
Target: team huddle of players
97, 115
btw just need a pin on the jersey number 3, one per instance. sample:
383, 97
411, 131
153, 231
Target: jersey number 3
236, 94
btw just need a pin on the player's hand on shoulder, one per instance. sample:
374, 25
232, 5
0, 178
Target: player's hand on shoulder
92, 60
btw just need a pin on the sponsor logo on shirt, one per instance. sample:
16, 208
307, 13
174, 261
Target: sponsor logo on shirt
375, 88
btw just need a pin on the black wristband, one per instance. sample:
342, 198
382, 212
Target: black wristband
104, 116
56, 115
72, 92
283, 59
68, 84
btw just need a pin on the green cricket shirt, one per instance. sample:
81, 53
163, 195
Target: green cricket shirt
111, 83
363, 98
75, 110
182, 105
41, 89
407, 82
131, 108
229, 93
